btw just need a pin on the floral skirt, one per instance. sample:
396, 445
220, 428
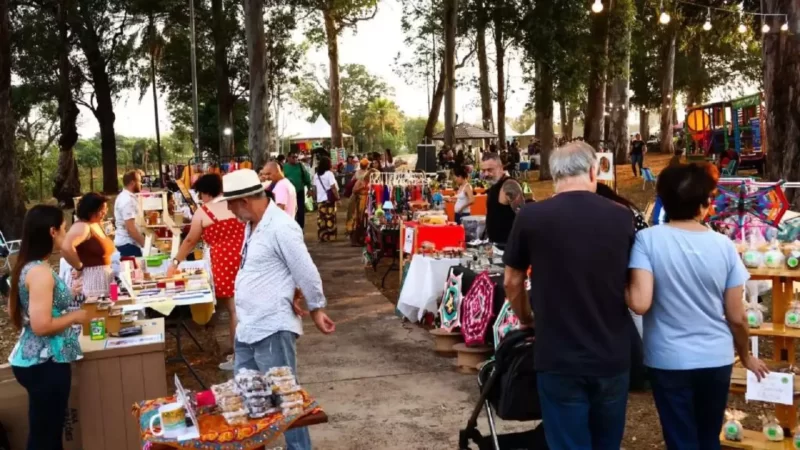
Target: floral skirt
356, 223
326, 222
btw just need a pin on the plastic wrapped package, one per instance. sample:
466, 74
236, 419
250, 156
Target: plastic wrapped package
772, 429
280, 372
774, 257
295, 411
755, 314
235, 417
287, 387
732, 429
291, 398
227, 389
793, 315
250, 380
752, 257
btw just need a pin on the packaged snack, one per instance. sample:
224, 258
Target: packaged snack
235, 417
293, 411
230, 404
793, 315
755, 314
226, 389
291, 398
279, 372
774, 258
285, 388
733, 425
752, 257
772, 428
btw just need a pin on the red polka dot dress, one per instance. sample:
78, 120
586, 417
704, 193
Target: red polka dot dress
225, 238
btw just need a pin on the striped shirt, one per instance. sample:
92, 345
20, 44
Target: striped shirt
275, 260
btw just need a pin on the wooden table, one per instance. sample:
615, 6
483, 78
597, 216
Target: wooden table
111, 381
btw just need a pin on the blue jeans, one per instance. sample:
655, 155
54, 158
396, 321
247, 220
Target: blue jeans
458, 216
129, 250
276, 350
637, 160
691, 405
583, 413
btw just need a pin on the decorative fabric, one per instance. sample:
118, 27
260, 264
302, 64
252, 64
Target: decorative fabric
451, 303
96, 280
32, 349
215, 433
356, 218
476, 312
326, 222
506, 322
225, 238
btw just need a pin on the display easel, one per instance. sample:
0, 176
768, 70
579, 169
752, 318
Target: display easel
783, 351
156, 202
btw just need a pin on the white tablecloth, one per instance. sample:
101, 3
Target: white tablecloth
424, 285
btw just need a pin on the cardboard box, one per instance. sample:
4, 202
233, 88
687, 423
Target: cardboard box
14, 411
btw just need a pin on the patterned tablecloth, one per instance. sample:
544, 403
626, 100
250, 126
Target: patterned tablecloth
215, 433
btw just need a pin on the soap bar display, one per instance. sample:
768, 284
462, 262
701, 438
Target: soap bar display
732, 429
793, 315
772, 429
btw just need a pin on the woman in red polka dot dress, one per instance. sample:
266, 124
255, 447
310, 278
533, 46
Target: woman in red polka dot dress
224, 235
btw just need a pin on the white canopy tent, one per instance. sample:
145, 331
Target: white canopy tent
318, 130
510, 133
531, 131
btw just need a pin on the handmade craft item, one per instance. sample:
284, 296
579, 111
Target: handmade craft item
774, 258
772, 428
793, 256
451, 303
733, 425
753, 258
477, 311
505, 323
793, 315
755, 314
768, 204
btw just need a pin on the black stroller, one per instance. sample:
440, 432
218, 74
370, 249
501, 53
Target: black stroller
508, 389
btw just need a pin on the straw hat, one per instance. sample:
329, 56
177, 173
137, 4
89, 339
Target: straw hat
241, 183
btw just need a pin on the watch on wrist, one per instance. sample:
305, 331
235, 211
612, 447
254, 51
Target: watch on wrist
176, 262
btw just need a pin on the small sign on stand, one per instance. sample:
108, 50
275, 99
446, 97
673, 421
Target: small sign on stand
776, 387
192, 432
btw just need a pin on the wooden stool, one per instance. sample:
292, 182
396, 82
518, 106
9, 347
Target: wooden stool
468, 358
443, 341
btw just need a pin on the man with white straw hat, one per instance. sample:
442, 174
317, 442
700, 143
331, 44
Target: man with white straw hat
275, 261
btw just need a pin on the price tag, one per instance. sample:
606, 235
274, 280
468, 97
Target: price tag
408, 243
776, 387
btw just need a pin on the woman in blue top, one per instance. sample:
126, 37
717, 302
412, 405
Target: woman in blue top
687, 281
38, 306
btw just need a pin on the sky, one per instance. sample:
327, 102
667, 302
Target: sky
375, 44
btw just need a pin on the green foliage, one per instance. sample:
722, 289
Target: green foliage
523, 123
414, 130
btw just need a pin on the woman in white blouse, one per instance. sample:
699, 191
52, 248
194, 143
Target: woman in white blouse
327, 195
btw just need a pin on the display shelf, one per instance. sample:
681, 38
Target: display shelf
767, 274
776, 330
755, 440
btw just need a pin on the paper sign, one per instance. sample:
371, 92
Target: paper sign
192, 432
605, 166
134, 341
408, 244
774, 388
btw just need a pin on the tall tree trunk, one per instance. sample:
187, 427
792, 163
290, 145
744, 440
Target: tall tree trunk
450, 19
572, 112
544, 109
483, 70
12, 197
618, 133
256, 51
595, 108
667, 94
562, 112
500, 52
224, 96
607, 118
67, 182
644, 123
332, 35
782, 94
436, 105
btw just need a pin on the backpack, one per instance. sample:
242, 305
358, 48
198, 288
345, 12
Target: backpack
516, 395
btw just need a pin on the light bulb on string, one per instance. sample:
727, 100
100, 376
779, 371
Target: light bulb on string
765, 28
742, 28
707, 25
597, 6
785, 26
664, 18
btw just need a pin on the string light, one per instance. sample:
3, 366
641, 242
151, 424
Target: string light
742, 28
707, 25
597, 6
785, 26
765, 28
664, 17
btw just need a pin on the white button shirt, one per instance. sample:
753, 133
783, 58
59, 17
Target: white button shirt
275, 260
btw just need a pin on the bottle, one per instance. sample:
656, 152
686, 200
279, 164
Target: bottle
113, 291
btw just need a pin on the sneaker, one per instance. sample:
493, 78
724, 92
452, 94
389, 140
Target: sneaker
228, 364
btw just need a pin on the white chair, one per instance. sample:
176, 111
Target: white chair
7, 248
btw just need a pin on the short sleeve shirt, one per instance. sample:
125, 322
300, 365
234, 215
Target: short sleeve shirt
577, 245
286, 195
322, 184
685, 327
125, 207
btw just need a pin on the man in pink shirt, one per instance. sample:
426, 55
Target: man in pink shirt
282, 189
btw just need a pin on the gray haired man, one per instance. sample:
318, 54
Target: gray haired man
576, 245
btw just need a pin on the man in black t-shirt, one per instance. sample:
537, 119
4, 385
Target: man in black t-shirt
576, 244
638, 149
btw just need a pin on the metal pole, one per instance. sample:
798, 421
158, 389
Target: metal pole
195, 115
155, 100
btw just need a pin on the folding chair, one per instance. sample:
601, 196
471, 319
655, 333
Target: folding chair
7, 248
647, 176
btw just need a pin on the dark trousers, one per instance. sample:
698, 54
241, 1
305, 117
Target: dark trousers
48, 387
691, 405
583, 412
300, 215
128, 250
637, 160
458, 216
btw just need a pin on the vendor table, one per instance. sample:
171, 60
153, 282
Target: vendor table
423, 286
477, 209
385, 244
113, 376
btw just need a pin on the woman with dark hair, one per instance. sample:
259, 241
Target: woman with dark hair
87, 248
693, 314
327, 194
38, 305
464, 197
388, 162
640, 222
223, 234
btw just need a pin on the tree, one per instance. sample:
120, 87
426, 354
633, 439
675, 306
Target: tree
414, 130
12, 199
382, 114
598, 62
504, 18
621, 19
782, 95
524, 122
256, 52
479, 12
